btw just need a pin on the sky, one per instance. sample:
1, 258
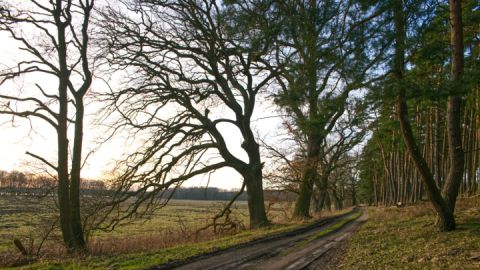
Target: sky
17, 135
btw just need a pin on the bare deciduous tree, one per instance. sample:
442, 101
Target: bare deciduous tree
194, 82
348, 132
54, 44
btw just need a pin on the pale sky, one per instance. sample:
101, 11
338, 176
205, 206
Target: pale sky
34, 136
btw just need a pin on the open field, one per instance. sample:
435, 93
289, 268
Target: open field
405, 238
158, 239
20, 218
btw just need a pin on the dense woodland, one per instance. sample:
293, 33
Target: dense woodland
378, 100
387, 172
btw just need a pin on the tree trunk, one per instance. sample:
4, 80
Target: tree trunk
469, 150
75, 177
252, 175
309, 175
338, 202
62, 138
302, 205
256, 205
354, 192
455, 152
62, 172
436, 145
323, 191
316, 202
328, 202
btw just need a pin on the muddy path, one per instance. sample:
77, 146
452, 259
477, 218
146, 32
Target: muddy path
309, 247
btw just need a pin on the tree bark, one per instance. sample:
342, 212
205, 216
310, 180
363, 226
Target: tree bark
62, 136
309, 175
302, 205
254, 180
455, 151
322, 186
62, 171
256, 206
436, 146
75, 177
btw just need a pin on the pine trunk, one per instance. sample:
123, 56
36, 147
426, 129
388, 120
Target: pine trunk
455, 151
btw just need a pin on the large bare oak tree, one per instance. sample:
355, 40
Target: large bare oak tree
193, 83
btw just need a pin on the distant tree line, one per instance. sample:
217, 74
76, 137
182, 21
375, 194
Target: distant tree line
16, 182
203, 193
217, 194
21, 180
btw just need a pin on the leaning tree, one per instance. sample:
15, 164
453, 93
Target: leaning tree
193, 83
444, 204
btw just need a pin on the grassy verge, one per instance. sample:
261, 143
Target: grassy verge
406, 238
339, 224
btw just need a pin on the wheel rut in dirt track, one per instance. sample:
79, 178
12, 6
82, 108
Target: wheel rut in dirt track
304, 248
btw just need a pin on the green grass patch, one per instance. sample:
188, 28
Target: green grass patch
338, 225
406, 238
322, 233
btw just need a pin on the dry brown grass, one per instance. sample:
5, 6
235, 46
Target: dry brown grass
178, 224
391, 213
117, 245
140, 243
406, 238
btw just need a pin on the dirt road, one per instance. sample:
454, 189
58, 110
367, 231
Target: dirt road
306, 248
